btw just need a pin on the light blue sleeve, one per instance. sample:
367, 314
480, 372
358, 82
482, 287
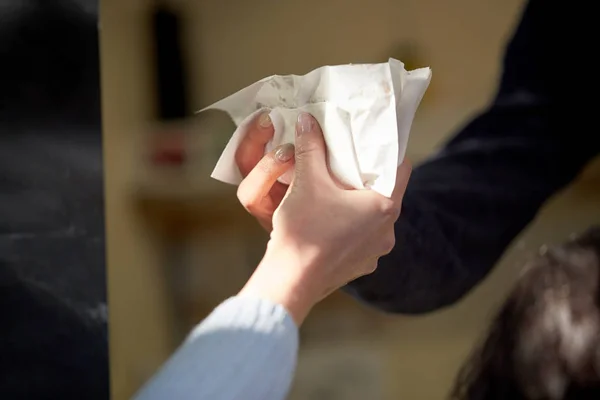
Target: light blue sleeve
245, 349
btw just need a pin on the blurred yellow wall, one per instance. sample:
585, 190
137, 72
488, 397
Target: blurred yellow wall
233, 43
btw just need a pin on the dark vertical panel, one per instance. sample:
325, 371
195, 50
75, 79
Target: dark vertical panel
170, 67
53, 341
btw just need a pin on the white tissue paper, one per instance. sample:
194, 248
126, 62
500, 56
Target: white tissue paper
365, 112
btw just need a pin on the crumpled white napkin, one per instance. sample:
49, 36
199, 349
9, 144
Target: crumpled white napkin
365, 111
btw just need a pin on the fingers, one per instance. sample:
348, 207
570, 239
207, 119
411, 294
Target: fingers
311, 153
402, 177
389, 208
252, 147
263, 176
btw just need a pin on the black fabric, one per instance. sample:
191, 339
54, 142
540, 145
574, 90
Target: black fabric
53, 341
465, 205
50, 350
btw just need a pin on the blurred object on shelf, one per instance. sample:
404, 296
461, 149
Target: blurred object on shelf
174, 159
168, 149
169, 61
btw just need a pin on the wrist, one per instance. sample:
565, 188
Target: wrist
279, 278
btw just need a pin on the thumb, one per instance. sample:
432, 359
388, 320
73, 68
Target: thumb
311, 152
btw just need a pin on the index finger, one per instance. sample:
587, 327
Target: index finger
252, 147
255, 187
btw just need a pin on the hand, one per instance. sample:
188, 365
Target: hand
258, 193
323, 235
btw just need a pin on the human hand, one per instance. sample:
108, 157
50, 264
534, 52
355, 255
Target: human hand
323, 234
259, 193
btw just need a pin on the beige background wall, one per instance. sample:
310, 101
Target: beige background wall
348, 351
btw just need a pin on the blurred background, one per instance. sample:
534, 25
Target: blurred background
178, 243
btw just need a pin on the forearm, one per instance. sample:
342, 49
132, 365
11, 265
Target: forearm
246, 349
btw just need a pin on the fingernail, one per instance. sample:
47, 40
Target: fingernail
284, 153
265, 120
305, 123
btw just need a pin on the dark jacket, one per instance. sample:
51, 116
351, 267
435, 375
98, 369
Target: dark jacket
465, 205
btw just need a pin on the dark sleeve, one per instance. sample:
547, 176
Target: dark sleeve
464, 206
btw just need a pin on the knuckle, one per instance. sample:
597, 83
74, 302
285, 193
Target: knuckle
388, 243
372, 266
388, 208
252, 208
240, 193
245, 197
304, 148
368, 268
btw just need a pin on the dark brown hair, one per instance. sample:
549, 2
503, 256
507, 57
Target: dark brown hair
544, 343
